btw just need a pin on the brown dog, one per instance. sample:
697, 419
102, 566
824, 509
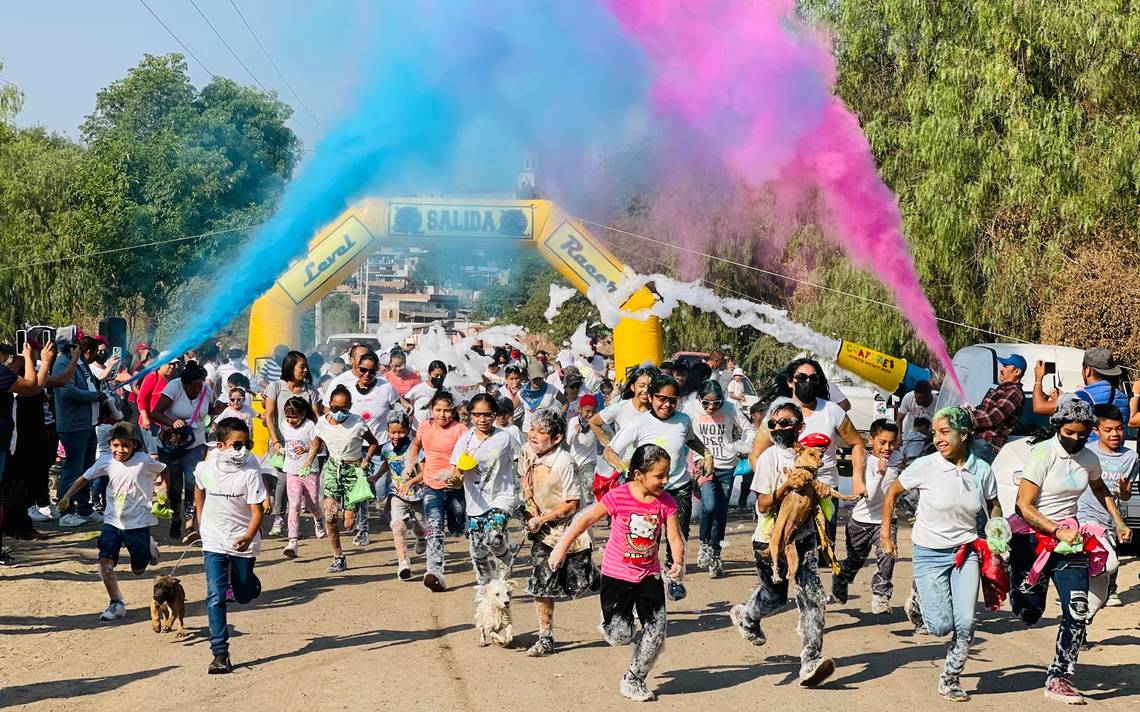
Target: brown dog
795, 509
168, 606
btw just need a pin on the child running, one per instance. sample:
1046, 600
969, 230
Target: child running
127, 518
343, 434
228, 497
631, 569
407, 504
866, 520
297, 434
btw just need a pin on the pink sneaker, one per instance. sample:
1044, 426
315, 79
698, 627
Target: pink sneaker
230, 593
1060, 690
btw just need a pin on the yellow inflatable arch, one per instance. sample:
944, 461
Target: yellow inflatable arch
339, 249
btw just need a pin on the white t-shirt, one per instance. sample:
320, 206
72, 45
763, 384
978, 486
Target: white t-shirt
419, 396
618, 415
1114, 467
373, 407
582, 443
492, 483
719, 431
1062, 477
770, 473
910, 409
344, 442
130, 489
296, 443
671, 434
835, 393
735, 390
949, 499
347, 378
226, 515
515, 433
549, 399
826, 420
869, 510
182, 407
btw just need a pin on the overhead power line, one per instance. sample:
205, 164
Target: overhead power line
180, 42
274, 65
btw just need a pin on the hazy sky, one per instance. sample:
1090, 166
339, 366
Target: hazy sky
61, 52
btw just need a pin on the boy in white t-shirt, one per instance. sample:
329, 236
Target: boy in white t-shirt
127, 518
862, 531
228, 496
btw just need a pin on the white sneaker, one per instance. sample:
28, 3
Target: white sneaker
72, 520
36, 515
880, 604
278, 525
291, 549
319, 528
1113, 601
404, 571
95, 517
115, 609
50, 511
154, 556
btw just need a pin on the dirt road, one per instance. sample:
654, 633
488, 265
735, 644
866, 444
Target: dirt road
364, 639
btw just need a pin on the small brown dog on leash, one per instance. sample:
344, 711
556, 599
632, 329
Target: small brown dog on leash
168, 606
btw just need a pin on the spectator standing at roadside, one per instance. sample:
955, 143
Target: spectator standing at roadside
995, 417
1101, 376
77, 412
918, 403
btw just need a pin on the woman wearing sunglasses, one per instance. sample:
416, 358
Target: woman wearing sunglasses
720, 426
672, 430
804, 382
373, 397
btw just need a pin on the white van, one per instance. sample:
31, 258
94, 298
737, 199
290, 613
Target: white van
977, 367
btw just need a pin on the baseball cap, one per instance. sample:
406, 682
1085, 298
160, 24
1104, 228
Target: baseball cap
1015, 360
588, 400
1100, 360
535, 370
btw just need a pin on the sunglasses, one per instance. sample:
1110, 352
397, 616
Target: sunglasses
805, 377
712, 403
782, 423
666, 399
368, 371
238, 399
482, 414
337, 409
240, 445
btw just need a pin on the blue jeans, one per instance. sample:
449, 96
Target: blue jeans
1070, 574
714, 508
948, 596
441, 508
79, 446
223, 571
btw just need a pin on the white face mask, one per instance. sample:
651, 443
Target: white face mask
231, 460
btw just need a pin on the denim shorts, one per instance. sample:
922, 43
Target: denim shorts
137, 541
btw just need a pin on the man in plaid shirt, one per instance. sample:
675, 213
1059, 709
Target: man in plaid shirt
1000, 410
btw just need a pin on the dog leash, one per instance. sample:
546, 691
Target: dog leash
185, 550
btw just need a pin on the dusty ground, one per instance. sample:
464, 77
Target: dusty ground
366, 640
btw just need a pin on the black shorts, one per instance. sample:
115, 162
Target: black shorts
575, 577
621, 598
112, 539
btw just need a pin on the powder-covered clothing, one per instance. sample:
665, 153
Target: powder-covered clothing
394, 457
344, 442
719, 431
419, 396
373, 407
130, 489
950, 498
636, 530
552, 480
226, 514
1114, 467
492, 483
438, 444
1062, 477
673, 435
296, 443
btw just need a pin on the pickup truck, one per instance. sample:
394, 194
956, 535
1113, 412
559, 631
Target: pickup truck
977, 367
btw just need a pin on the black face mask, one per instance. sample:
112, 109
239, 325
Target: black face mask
1072, 445
100, 357
785, 437
437, 382
805, 392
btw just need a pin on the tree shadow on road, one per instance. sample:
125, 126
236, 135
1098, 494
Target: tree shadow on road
71, 689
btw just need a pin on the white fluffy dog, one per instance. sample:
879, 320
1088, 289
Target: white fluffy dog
493, 613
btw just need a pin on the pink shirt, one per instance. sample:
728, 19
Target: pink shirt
636, 530
438, 444
403, 383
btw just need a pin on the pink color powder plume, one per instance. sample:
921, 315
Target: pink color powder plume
754, 83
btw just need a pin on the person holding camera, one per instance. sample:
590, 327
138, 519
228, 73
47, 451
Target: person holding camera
77, 404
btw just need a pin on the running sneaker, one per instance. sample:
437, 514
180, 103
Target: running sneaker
716, 567
674, 589
813, 674
72, 520
95, 517
115, 609
435, 582
278, 525
220, 665
404, 571
839, 589
154, 555
191, 537
291, 549
50, 511
913, 611
542, 647
1059, 689
880, 605
952, 691
752, 633
339, 563
421, 545
634, 688
7, 561
1113, 601
704, 554
318, 528
361, 538
37, 515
